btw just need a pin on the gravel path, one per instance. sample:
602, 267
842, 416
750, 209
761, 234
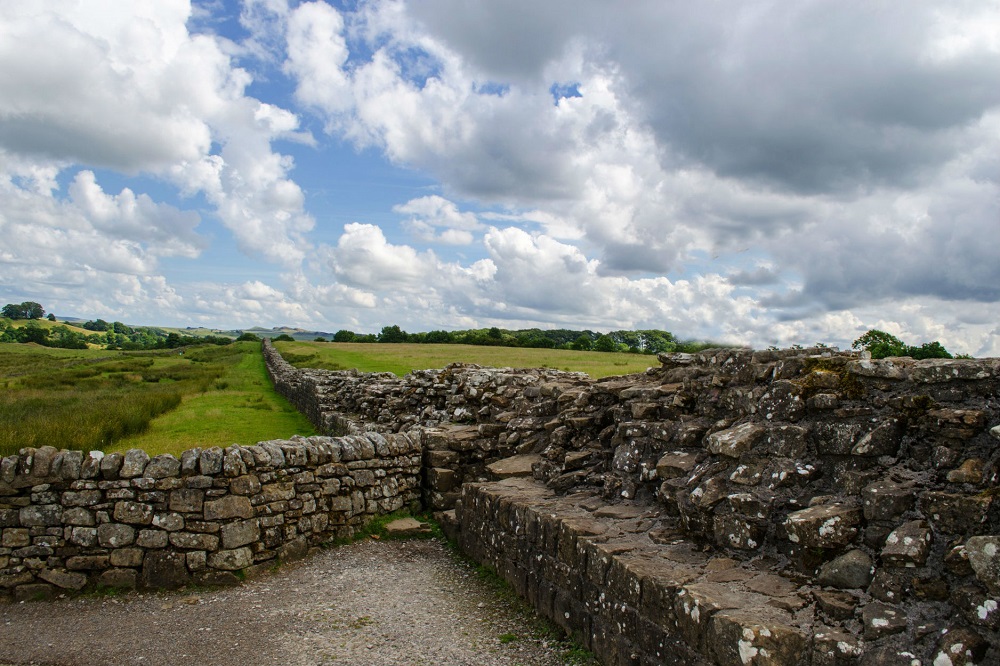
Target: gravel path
371, 603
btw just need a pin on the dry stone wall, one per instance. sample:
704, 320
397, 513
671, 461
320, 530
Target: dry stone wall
803, 506
70, 520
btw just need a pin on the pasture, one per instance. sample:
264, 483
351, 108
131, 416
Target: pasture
163, 401
402, 358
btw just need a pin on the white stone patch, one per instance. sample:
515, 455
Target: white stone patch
829, 526
880, 622
988, 607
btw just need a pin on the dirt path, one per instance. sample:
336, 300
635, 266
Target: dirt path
371, 603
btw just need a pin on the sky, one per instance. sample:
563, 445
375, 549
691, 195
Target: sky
749, 172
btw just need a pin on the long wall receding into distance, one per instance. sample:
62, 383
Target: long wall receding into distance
728, 507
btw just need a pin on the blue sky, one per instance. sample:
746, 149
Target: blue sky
787, 174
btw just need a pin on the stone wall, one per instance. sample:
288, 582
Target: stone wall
730, 507
795, 506
72, 520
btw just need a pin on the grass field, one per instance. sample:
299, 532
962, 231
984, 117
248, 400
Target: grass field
161, 401
403, 358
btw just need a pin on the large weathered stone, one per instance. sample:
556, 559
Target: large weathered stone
134, 464
67, 580
984, 556
908, 545
231, 560
881, 619
520, 465
163, 466
239, 533
852, 570
884, 500
738, 638
824, 526
40, 515
230, 506
735, 441
135, 513
187, 500
115, 535
164, 569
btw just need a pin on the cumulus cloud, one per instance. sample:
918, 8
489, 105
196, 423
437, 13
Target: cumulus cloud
852, 147
128, 87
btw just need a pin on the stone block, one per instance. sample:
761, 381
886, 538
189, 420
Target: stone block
955, 513
34, 592
248, 484
135, 513
882, 620
852, 570
231, 560
163, 466
110, 465
694, 606
884, 440
164, 569
210, 463
825, 526
276, 492
88, 562
515, 466
81, 498
738, 638
676, 463
194, 540
171, 522
442, 480
960, 646
735, 441
187, 500
125, 579
44, 515
885, 500
84, 536
15, 537
152, 539
239, 533
231, 506
133, 464
836, 648
127, 557
66, 580
115, 535
983, 553
908, 545
786, 441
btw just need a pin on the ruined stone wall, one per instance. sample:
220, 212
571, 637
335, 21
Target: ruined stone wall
810, 503
70, 520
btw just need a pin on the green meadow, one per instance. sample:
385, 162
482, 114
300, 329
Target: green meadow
162, 401
402, 358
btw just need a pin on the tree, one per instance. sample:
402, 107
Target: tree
26, 310
929, 350
582, 343
284, 337
51, 317
392, 334
605, 343
883, 345
880, 344
344, 336
247, 337
319, 339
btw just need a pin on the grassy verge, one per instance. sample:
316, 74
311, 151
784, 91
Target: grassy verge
239, 407
403, 358
163, 401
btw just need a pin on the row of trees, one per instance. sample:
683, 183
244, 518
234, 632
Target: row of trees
637, 342
26, 310
135, 339
884, 345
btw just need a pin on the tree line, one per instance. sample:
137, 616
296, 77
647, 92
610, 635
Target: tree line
649, 341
